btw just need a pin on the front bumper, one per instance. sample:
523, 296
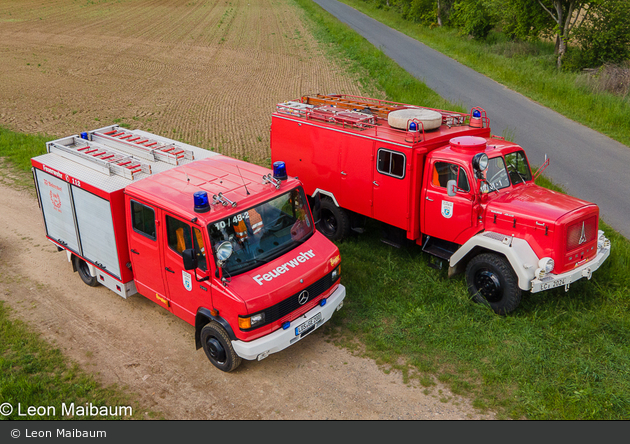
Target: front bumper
280, 339
584, 271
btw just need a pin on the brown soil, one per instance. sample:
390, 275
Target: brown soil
208, 73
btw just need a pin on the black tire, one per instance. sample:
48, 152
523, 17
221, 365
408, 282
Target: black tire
218, 347
334, 222
84, 272
492, 281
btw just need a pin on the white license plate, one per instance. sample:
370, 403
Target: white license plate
554, 284
308, 324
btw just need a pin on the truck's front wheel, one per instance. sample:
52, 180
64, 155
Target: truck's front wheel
218, 347
492, 281
334, 222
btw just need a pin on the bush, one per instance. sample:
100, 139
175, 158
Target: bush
472, 18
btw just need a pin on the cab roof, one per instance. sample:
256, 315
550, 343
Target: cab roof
173, 189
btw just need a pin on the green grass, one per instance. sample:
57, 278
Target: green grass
559, 356
33, 373
526, 68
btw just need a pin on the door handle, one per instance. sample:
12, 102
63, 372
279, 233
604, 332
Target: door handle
430, 200
169, 270
134, 251
343, 173
375, 183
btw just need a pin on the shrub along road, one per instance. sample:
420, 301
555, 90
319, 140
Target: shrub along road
584, 162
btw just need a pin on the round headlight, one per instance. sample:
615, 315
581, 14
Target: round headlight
547, 264
224, 251
480, 161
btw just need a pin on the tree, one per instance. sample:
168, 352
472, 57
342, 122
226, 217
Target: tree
567, 15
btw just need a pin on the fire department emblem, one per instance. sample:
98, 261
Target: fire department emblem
55, 199
187, 279
447, 209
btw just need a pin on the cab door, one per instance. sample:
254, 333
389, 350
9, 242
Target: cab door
447, 217
144, 245
184, 291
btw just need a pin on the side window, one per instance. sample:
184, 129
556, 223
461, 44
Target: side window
444, 171
200, 249
178, 235
391, 163
143, 219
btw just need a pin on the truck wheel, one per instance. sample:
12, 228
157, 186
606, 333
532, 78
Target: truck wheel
218, 347
334, 222
84, 271
492, 281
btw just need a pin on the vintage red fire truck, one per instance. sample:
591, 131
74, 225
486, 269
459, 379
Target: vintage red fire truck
440, 179
221, 243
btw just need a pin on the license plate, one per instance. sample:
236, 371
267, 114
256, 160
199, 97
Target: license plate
554, 284
308, 324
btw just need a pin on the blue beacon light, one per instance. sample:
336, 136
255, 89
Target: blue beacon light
476, 113
202, 205
279, 170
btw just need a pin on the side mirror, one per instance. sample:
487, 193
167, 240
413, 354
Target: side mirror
316, 208
451, 188
190, 259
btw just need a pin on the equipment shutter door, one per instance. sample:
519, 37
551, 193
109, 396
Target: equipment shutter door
96, 230
54, 195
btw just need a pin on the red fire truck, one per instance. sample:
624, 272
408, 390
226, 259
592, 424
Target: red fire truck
441, 180
223, 244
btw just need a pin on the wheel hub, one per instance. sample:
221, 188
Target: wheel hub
489, 286
216, 350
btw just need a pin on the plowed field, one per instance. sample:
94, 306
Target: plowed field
205, 72
208, 73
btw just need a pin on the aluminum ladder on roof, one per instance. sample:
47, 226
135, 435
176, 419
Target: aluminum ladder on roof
144, 147
98, 157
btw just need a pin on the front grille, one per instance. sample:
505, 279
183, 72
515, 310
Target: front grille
581, 233
290, 304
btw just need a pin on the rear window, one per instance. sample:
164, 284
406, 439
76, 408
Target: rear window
391, 163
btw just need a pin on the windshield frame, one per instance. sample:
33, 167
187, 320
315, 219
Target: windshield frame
248, 245
503, 177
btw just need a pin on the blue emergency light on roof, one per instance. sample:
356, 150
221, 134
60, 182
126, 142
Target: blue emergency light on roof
84, 136
413, 126
476, 113
279, 170
202, 204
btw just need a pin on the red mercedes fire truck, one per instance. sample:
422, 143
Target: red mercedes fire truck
221, 243
440, 179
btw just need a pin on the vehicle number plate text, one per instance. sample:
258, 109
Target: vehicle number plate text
308, 324
554, 284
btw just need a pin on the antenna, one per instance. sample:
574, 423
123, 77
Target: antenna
239, 172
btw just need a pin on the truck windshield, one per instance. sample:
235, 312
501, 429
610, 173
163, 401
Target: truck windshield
264, 232
513, 169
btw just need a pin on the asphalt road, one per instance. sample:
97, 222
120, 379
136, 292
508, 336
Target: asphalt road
584, 162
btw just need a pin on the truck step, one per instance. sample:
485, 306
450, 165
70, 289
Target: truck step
439, 248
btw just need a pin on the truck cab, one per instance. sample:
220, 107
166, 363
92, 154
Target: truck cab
225, 245
440, 179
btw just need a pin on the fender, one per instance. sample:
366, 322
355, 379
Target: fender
325, 193
202, 318
517, 251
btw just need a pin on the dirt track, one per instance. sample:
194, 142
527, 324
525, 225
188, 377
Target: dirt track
180, 71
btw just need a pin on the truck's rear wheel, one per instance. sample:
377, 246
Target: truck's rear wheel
84, 271
492, 281
334, 222
218, 347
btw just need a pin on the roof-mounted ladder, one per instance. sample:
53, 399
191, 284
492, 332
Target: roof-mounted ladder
143, 147
379, 108
99, 157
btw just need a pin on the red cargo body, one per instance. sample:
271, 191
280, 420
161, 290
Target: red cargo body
439, 176
128, 208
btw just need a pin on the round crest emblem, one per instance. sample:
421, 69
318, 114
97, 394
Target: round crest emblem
303, 297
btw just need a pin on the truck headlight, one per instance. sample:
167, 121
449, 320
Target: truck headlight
547, 264
247, 322
336, 273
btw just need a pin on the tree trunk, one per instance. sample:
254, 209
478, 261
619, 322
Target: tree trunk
439, 14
